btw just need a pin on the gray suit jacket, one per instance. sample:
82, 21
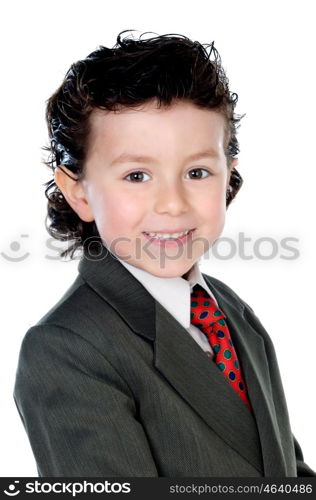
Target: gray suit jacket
110, 384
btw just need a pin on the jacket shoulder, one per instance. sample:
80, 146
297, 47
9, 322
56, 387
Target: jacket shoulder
74, 307
82, 312
238, 303
246, 311
221, 287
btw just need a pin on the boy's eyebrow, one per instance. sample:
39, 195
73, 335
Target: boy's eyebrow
129, 157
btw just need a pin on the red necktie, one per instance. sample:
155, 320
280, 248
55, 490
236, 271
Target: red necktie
210, 319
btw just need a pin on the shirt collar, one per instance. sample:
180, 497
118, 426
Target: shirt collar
174, 294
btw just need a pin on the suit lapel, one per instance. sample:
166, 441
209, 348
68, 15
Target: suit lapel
252, 355
188, 369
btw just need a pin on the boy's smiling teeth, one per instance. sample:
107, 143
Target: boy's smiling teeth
166, 236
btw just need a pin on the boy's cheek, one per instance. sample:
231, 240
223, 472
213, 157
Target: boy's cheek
118, 216
213, 224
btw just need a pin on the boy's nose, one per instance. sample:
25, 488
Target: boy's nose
171, 199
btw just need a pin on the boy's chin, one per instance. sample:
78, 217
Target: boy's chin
169, 269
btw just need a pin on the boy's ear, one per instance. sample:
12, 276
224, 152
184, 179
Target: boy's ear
233, 164
73, 192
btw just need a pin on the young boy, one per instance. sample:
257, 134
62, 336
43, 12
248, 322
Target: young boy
146, 366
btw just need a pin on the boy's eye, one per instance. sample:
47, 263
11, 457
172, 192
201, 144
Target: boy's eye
137, 176
198, 171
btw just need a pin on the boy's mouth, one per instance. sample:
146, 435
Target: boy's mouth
168, 236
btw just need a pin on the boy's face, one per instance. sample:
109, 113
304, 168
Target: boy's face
166, 192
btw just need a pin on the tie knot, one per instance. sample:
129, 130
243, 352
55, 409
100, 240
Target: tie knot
204, 311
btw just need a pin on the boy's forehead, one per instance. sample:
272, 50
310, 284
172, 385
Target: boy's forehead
179, 115
145, 124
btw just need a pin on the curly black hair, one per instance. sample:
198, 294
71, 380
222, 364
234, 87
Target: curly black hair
165, 67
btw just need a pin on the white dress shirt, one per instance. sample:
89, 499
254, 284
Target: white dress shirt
174, 294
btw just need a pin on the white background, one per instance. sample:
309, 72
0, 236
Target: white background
268, 50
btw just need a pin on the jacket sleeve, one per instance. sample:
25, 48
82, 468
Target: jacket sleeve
279, 400
303, 470
79, 414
